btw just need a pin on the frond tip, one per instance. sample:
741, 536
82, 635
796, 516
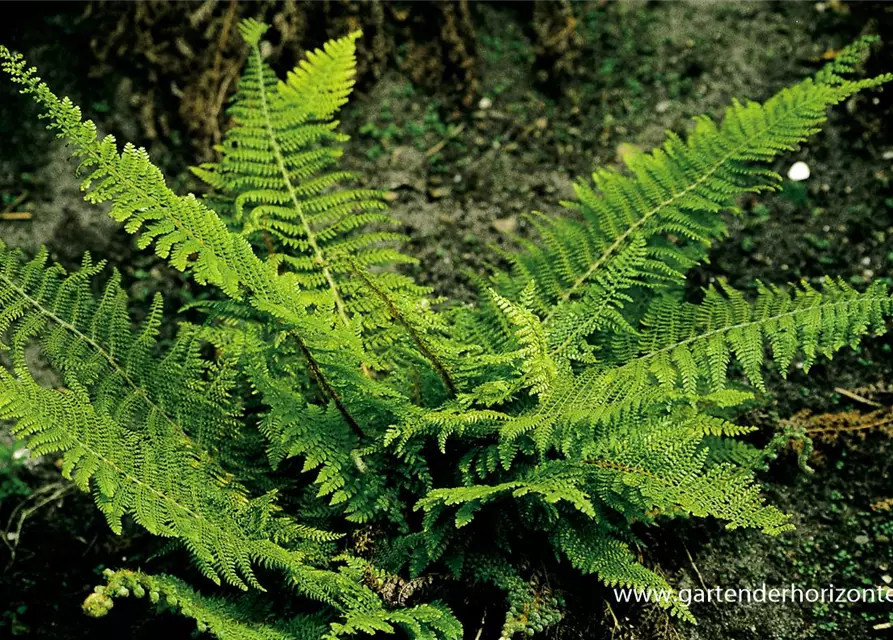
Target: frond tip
252, 31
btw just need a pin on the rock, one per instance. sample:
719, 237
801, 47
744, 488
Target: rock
439, 192
506, 225
862, 539
485, 103
799, 171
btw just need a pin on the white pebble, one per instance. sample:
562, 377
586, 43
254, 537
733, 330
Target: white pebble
485, 103
798, 171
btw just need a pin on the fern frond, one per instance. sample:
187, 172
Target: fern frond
554, 482
119, 420
593, 550
224, 619
672, 196
190, 235
685, 350
278, 183
690, 343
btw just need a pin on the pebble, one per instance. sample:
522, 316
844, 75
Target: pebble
439, 192
863, 539
485, 103
506, 225
799, 171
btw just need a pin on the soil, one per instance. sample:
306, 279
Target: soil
460, 179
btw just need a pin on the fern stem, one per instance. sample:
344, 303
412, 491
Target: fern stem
416, 337
320, 379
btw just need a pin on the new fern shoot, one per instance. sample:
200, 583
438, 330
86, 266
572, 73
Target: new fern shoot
358, 441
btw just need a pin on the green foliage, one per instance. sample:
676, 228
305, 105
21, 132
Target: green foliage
11, 463
330, 421
277, 184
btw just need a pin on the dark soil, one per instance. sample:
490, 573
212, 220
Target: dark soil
461, 178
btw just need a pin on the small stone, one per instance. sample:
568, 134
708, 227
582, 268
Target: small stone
799, 171
506, 225
485, 103
439, 192
863, 539
866, 261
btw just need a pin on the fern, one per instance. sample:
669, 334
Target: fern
224, 619
276, 182
349, 431
674, 192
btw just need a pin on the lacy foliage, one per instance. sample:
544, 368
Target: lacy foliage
364, 442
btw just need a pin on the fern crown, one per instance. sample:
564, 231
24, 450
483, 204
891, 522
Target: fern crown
330, 426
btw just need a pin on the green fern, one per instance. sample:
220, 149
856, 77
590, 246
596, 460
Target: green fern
277, 183
348, 431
